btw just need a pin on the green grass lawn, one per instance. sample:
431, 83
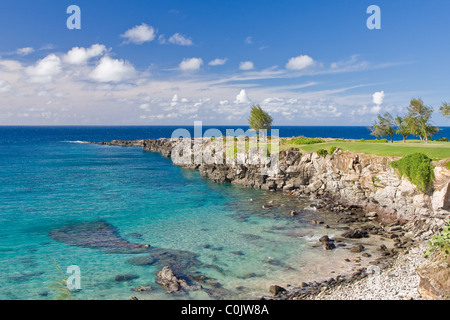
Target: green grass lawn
434, 150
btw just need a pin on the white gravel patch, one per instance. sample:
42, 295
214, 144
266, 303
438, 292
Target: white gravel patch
398, 282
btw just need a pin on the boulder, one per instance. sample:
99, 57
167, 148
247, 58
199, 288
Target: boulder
358, 248
434, 281
355, 234
327, 243
172, 283
276, 290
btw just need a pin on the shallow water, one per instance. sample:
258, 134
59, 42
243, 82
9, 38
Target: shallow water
218, 231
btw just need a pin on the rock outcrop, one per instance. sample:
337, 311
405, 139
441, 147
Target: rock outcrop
351, 179
172, 283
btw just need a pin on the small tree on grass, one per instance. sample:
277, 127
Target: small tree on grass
259, 119
418, 120
402, 128
384, 126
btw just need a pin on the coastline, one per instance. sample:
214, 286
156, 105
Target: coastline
396, 276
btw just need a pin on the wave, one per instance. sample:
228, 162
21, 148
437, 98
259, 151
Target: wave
78, 141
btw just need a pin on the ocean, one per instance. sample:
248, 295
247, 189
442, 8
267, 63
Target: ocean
57, 191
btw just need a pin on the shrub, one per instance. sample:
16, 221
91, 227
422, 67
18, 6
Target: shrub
444, 139
332, 150
418, 168
303, 140
322, 152
374, 141
440, 244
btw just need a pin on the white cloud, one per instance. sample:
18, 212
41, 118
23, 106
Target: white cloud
5, 86
112, 70
10, 65
378, 97
218, 62
299, 63
139, 34
181, 40
80, 55
242, 97
145, 106
248, 40
174, 101
246, 65
191, 64
25, 51
44, 70
162, 39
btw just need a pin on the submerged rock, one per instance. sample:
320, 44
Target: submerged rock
97, 235
142, 261
142, 289
125, 277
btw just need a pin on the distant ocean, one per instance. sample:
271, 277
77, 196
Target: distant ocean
51, 180
73, 133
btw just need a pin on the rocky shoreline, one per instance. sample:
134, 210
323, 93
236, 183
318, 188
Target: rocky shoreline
385, 205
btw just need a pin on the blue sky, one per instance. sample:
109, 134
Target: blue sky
176, 62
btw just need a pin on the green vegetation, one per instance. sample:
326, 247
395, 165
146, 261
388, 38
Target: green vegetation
375, 180
259, 119
434, 150
402, 128
418, 120
448, 165
418, 168
440, 244
332, 150
444, 139
322, 152
384, 127
445, 109
60, 286
374, 141
303, 140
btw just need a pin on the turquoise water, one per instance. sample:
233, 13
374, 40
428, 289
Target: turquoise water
49, 181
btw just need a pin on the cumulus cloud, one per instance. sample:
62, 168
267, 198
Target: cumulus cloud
378, 97
299, 63
191, 64
112, 70
181, 40
80, 55
10, 65
218, 62
242, 97
139, 34
5, 86
45, 70
246, 65
25, 51
174, 101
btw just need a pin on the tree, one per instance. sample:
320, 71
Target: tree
384, 127
402, 128
418, 120
445, 109
259, 119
